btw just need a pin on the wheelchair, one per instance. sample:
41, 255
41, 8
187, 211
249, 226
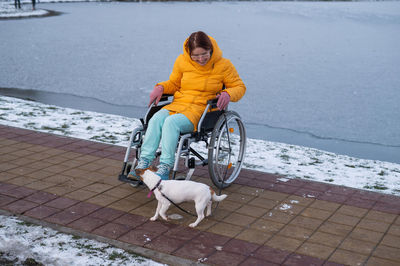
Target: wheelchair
224, 135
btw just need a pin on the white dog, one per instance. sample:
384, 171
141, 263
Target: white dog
178, 191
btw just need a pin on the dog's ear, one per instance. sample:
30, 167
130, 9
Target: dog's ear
139, 172
153, 168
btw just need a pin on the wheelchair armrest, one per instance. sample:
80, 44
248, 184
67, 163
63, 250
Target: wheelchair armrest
165, 97
212, 103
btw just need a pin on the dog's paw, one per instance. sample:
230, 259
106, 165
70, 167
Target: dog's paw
192, 225
153, 218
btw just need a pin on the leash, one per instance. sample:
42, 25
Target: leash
162, 194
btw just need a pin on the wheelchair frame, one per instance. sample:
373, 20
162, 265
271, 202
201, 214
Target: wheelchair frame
212, 127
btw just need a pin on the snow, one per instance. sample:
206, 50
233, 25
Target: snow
21, 240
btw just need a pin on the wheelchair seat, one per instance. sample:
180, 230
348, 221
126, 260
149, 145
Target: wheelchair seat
223, 133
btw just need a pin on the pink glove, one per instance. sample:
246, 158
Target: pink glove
156, 94
223, 100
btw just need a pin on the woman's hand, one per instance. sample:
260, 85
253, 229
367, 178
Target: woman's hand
223, 100
156, 94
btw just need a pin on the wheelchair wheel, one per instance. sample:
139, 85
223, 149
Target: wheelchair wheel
226, 149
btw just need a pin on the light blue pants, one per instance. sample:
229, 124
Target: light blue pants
165, 128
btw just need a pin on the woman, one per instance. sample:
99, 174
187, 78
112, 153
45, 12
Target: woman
198, 75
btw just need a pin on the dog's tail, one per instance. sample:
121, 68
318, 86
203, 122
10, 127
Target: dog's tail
215, 197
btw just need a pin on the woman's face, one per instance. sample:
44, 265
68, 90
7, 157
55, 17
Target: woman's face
201, 56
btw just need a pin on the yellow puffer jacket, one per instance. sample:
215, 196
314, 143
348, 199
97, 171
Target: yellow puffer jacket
193, 85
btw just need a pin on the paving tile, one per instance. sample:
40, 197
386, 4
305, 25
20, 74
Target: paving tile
272, 195
284, 243
293, 199
358, 246
61, 203
326, 239
40, 174
19, 192
41, 197
307, 193
119, 192
125, 205
112, 230
87, 223
381, 216
138, 237
98, 187
391, 241
252, 211
385, 252
84, 208
284, 188
298, 259
210, 239
4, 187
39, 185
250, 261
348, 257
225, 229
239, 219
316, 213
373, 225
360, 202
254, 236
182, 232
344, 219
385, 207
225, 258
165, 244
394, 230
80, 195
335, 229
306, 222
278, 216
64, 217
60, 189
41, 212
21, 181
4, 176
366, 235
240, 198
325, 205
290, 208
240, 247
20, 206
273, 255
296, 232
231, 205
267, 226
372, 261
131, 220
102, 200
195, 251
352, 211
4, 200
107, 214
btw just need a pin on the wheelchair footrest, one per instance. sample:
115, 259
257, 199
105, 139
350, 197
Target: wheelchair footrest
126, 179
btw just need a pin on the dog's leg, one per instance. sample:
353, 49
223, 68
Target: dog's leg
208, 213
164, 207
157, 212
200, 206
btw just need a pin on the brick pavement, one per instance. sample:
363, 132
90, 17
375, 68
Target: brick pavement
72, 184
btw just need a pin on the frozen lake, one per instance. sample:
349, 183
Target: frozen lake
323, 75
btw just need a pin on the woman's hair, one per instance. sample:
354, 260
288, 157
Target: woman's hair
198, 40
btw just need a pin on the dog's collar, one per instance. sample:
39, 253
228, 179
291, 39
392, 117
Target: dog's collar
154, 188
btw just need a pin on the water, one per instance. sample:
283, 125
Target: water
323, 75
